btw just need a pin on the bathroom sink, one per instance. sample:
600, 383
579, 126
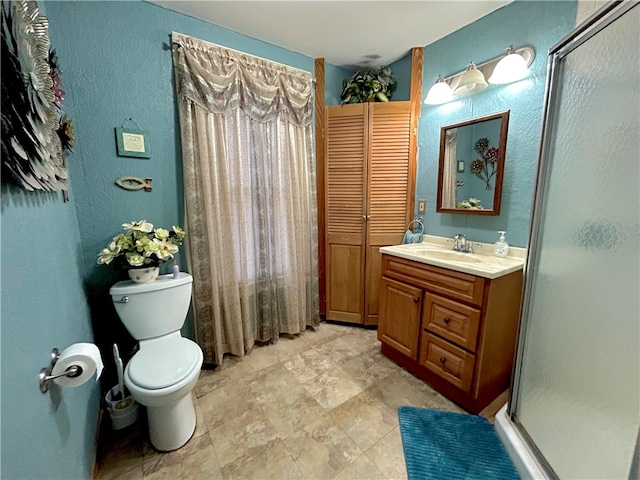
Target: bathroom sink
448, 256
437, 251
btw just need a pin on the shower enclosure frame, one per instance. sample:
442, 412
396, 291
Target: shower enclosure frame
594, 24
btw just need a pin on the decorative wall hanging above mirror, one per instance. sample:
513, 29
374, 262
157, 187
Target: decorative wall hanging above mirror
36, 135
471, 165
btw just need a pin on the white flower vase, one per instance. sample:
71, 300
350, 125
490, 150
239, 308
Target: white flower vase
143, 275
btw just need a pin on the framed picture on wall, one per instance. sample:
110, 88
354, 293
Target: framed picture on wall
132, 142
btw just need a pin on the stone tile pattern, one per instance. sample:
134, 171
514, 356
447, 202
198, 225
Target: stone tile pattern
319, 405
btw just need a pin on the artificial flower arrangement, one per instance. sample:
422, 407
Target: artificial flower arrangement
470, 204
141, 245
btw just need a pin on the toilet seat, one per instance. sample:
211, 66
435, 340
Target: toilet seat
164, 362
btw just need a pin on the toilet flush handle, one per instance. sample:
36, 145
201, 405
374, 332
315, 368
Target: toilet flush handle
124, 299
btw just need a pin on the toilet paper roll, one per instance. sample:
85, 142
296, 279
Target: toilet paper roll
83, 355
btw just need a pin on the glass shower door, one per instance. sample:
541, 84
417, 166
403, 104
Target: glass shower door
577, 384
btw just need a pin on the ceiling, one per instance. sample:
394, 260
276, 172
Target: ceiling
348, 34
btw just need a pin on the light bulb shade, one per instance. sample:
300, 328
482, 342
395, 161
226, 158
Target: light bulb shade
509, 69
439, 93
472, 81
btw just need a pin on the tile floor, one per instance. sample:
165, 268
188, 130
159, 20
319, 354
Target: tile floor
320, 405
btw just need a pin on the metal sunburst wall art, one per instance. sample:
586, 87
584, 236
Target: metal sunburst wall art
36, 135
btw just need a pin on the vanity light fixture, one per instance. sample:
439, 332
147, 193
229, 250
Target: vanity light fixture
511, 68
439, 93
472, 81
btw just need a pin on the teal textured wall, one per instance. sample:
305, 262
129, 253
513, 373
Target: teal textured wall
538, 24
333, 77
402, 71
117, 65
43, 306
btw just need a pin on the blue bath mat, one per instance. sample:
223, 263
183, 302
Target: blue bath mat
452, 446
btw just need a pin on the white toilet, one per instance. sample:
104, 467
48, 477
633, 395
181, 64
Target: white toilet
163, 372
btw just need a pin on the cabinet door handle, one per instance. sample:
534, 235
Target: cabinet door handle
443, 360
446, 320
416, 299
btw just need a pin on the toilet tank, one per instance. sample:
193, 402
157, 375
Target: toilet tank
153, 309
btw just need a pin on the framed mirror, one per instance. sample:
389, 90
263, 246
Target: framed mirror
471, 165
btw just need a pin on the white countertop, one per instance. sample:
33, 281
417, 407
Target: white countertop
438, 251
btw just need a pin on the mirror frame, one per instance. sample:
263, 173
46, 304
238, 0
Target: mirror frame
502, 148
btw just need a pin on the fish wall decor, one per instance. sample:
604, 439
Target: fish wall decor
134, 183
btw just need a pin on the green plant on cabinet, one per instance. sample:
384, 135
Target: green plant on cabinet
375, 85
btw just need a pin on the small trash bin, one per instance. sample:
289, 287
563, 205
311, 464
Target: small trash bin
122, 412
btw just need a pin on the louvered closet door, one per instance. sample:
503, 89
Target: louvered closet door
345, 210
388, 203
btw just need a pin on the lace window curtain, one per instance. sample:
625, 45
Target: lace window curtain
449, 170
249, 180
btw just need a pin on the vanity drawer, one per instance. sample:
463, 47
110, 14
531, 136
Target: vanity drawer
451, 320
447, 361
462, 286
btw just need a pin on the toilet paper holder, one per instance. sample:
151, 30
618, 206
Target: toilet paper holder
45, 376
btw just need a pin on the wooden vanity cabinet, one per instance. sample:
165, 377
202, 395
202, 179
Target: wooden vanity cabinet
454, 330
400, 306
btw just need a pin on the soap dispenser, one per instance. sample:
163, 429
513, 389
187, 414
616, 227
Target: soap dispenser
501, 247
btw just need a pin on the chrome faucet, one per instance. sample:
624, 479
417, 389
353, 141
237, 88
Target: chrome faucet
460, 244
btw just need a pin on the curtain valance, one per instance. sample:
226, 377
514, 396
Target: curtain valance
222, 80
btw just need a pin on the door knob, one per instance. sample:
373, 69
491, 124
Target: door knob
442, 360
446, 320
416, 299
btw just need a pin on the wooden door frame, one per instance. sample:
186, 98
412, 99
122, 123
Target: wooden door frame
321, 162
417, 61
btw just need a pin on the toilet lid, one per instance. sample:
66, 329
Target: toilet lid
162, 364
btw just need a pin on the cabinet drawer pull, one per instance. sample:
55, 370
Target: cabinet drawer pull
416, 299
446, 320
442, 360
